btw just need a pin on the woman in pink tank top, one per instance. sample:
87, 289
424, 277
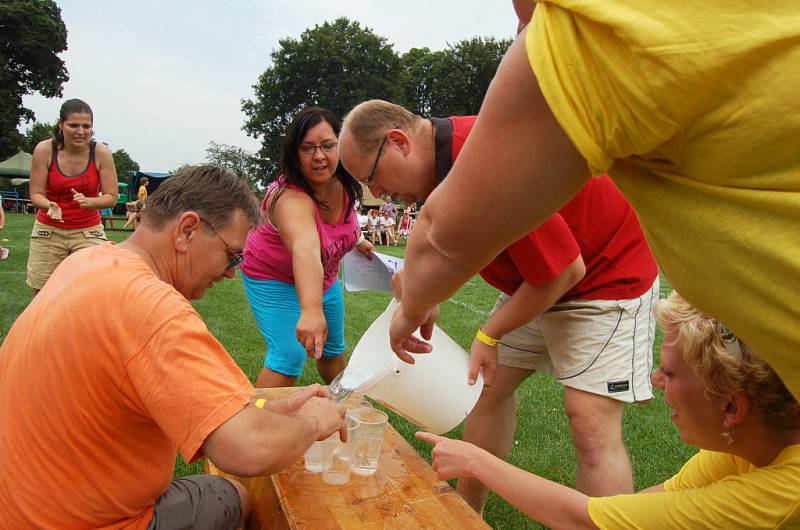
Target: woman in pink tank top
292, 259
72, 179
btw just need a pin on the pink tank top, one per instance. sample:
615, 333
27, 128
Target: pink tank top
266, 257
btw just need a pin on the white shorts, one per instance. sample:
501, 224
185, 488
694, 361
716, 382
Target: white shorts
600, 346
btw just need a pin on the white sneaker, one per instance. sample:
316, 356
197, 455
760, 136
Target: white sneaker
3, 253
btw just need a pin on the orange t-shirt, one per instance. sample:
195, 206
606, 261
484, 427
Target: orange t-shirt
103, 377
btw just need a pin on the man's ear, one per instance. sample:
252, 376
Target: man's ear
400, 140
736, 410
185, 230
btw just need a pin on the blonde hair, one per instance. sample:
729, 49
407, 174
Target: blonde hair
725, 364
368, 122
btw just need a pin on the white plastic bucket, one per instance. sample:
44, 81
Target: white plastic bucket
432, 393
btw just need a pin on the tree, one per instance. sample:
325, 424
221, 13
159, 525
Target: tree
420, 68
39, 131
32, 34
452, 82
124, 164
236, 160
335, 65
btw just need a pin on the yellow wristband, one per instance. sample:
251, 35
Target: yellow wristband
486, 339
260, 403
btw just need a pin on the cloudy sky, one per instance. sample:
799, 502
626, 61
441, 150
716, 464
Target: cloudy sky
164, 78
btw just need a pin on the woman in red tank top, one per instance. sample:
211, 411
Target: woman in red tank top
72, 178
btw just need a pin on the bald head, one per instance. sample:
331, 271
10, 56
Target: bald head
367, 123
389, 146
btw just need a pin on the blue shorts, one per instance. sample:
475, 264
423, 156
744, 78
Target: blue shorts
277, 310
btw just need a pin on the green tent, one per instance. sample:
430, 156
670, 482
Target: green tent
18, 165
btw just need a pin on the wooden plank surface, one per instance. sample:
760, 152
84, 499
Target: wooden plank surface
403, 493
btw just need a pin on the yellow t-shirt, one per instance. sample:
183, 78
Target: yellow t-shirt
692, 108
712, 490
142, 194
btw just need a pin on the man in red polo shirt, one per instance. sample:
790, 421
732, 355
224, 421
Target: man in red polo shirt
576, 296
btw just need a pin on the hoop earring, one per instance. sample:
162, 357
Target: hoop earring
727, 436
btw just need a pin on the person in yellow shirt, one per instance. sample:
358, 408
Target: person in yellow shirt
689, 107
725, 400
142, 193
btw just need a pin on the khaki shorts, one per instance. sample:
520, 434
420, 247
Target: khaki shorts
50, 245
600, 346
198, 502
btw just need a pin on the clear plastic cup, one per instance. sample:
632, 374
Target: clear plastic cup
367, 439
336, 455
313, 458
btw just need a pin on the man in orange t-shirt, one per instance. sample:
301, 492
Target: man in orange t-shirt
96, 396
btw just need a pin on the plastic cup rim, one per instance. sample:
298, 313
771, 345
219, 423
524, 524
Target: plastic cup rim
384, 417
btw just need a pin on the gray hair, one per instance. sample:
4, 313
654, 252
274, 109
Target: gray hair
213, 192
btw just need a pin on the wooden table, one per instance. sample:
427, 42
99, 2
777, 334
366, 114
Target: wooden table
403, 493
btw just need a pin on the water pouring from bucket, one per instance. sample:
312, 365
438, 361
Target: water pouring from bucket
432, 393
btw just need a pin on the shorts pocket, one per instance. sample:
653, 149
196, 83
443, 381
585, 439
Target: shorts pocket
41, 233
94, 233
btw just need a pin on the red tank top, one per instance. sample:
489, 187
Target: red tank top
59, 190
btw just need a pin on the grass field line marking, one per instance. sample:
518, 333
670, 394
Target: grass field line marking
468, 307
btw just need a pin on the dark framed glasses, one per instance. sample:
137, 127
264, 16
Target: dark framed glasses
238, 257
310, 149
371, 177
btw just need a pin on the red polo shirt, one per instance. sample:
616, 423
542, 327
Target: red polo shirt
597, 224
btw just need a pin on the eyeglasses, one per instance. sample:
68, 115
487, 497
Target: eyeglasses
371, 177
310, 149
238, 257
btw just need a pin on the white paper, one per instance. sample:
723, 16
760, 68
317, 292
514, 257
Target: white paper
362, 274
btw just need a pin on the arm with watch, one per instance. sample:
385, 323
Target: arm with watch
527, 302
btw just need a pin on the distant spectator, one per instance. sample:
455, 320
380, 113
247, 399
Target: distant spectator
363, 222
134, 213
387, 228
389, 207
142, 193
374, 222
406, 223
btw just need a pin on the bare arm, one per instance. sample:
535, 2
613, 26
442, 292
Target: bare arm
38, 184
552, 504
293, 215
530, 301
263, 441
527, 302
109, 186
517, 138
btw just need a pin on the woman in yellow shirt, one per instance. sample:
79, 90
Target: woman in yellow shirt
724, 399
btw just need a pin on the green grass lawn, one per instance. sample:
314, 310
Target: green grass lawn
542, 442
